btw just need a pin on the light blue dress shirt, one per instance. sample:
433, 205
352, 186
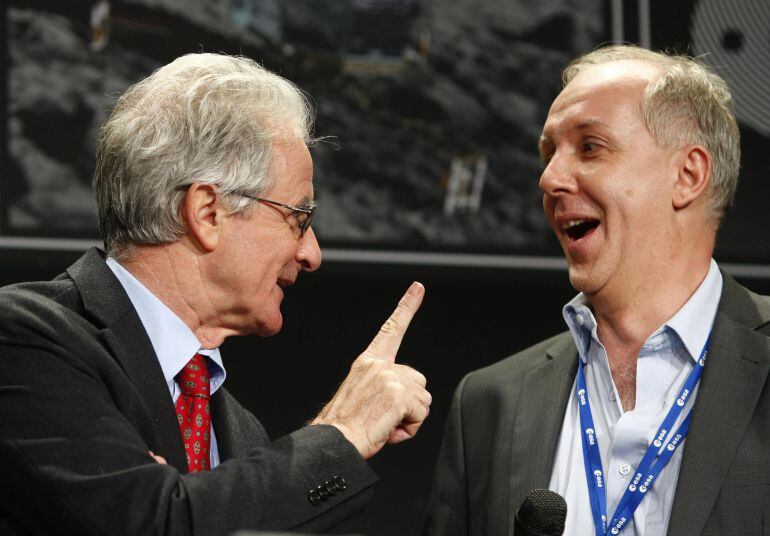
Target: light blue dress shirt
665, 360
174, 343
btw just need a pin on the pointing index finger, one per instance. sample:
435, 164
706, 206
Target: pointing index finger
387, 341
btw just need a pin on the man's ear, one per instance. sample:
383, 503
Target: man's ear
203, 215
693, 176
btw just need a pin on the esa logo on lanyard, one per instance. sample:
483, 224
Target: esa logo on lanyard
651, 465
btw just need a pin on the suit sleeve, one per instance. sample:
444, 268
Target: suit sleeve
447, 513
74, 461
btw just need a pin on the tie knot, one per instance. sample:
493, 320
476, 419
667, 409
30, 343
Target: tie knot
193, 379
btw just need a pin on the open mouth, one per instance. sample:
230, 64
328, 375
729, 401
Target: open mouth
577, 229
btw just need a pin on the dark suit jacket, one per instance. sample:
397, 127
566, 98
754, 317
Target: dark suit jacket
83, 400
504, 424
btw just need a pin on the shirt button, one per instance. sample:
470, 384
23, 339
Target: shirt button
580, 320
624, 469
612, 395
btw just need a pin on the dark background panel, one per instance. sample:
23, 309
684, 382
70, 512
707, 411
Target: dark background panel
417, 97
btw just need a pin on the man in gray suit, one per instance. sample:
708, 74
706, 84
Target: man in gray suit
651, 414
114, 419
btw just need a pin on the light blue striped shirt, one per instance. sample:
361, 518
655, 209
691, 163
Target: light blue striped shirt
174, 343
665, 360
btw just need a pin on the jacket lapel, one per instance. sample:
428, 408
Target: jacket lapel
123, 334
225, 428
237, 431
734, 376
537, 424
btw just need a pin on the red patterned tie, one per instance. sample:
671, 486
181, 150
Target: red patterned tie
194, 413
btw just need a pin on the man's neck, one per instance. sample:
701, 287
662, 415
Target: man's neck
178, 282
625, 322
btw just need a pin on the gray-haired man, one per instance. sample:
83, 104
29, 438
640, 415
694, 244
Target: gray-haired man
114, 418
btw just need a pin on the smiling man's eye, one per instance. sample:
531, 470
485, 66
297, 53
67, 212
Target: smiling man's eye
590, 146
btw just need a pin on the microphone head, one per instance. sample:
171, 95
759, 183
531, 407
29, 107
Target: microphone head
542, 513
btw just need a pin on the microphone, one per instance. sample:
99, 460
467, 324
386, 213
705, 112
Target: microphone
542, 513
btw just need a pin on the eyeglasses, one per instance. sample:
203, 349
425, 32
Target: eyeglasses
303, 215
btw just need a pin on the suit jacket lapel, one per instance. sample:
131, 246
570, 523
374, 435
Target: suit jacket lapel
237, 431
734, 376
537, 424
222, 427
106, 301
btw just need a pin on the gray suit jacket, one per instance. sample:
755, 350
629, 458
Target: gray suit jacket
504, 424
83, 400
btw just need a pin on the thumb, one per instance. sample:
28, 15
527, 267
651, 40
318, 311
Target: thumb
386, 343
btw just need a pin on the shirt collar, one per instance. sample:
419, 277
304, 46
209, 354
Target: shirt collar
581, 323
692, 323
174, 343
694, 320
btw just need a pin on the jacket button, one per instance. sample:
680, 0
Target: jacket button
322, 492
330, 487
339, 483
313, 497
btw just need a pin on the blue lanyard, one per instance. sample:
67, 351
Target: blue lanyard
654, 461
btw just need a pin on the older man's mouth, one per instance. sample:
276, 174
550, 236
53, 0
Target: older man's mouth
283, 283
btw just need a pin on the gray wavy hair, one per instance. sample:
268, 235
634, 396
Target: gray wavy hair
203, 118
687, 104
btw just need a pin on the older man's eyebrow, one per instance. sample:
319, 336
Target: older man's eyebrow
307, 203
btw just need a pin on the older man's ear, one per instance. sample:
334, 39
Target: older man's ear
203, 215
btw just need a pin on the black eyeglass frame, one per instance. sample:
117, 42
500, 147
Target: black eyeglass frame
303, 224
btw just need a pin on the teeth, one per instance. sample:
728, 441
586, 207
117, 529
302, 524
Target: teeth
572, 223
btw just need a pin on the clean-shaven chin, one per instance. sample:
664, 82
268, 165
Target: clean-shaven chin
268, 319
272, 326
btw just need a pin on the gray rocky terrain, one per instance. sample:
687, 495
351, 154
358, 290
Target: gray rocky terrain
475, 81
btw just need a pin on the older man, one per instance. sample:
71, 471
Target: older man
641, 155
114, 419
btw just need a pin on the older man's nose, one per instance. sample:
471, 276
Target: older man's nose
309, 252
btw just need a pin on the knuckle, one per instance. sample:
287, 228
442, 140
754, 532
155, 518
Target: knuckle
390, 326
364, 361
414, 374
357, 363
396, 389
406, 370
420, 378
388, 376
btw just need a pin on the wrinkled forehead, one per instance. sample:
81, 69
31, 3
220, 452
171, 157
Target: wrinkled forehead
292, 167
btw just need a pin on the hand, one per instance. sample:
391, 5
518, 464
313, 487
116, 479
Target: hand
381, 401
160, 459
